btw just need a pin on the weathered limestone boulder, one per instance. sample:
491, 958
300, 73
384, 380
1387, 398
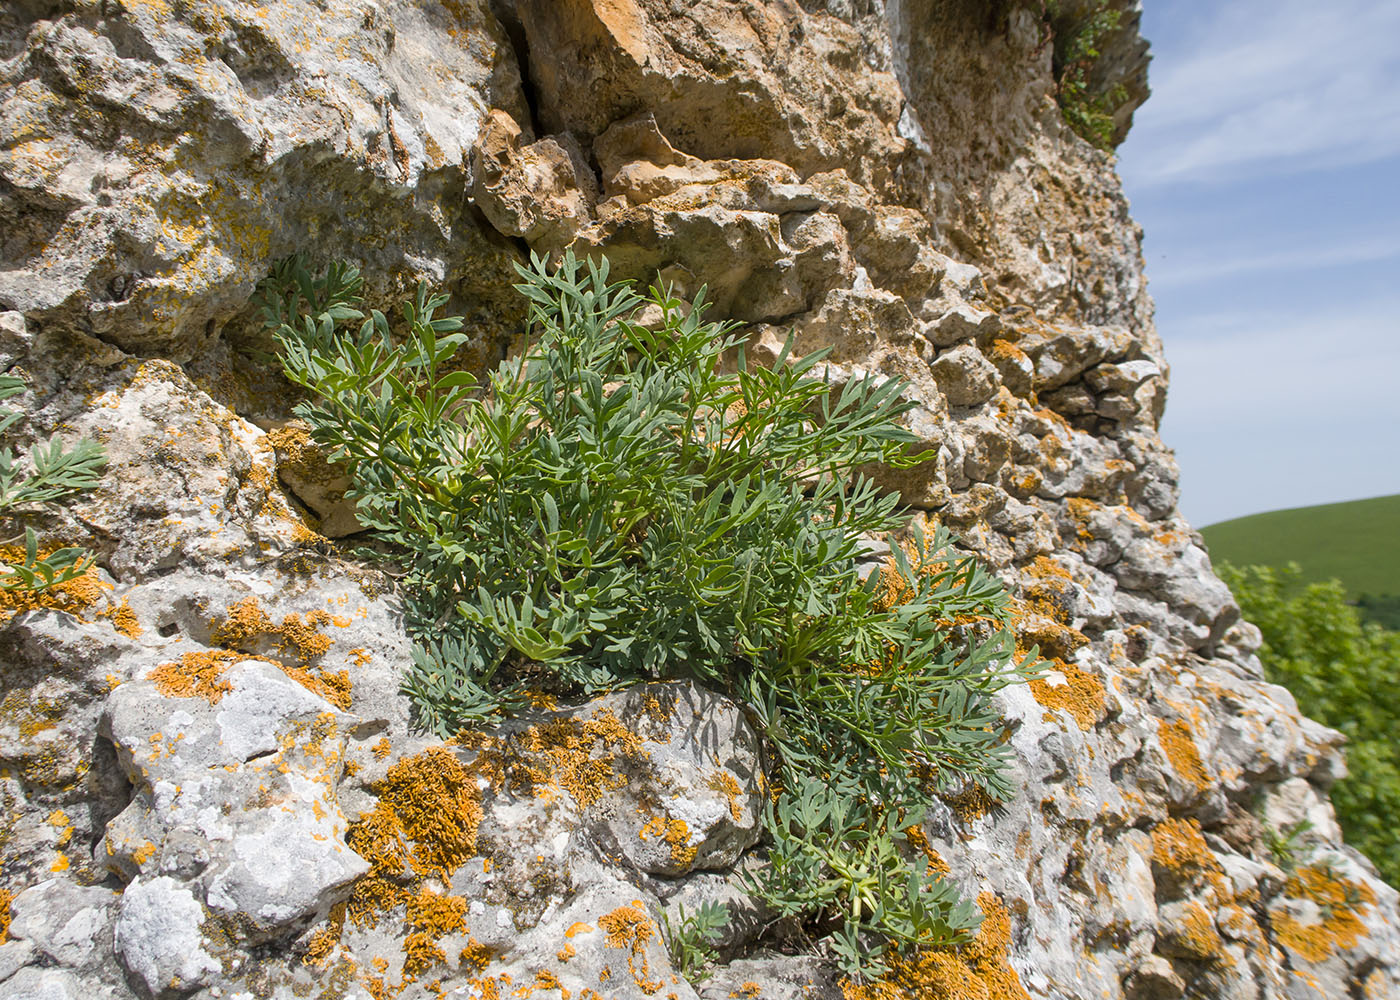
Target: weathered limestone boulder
156, 158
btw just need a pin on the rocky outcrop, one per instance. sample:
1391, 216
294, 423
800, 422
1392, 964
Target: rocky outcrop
211, 784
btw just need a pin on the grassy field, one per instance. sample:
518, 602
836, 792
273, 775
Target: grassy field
1357, 542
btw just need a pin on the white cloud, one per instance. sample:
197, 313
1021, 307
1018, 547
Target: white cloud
1273, 86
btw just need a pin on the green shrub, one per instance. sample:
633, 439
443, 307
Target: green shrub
1076, 31
1343, 674
1380, 609
54, 473
630, 502
691, 939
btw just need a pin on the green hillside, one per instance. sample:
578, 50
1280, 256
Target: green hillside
1357, 542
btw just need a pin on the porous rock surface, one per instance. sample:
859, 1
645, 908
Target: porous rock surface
211, 784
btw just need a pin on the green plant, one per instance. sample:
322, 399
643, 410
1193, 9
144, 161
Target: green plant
1076, 31
630, 502
1283, 845
691, 939
1343, 674
834, 855
54, 473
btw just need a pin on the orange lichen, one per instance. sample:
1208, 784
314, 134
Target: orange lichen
1340, 904
676, 834
970, 804
724, 783
1081, 694
437, 914
581, 756
978, 971
746, 991
429, 801
1036, 624
245, 625
1181, 751
916, 836
196, 675
565, 953
75, 596
1081, 510
1179, 847
6, 897
333, 687
475, 956
323, 942
382, 748
628, 927
1196, 934
124, 620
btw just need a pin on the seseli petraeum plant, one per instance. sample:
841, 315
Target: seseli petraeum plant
53, 472
629, 501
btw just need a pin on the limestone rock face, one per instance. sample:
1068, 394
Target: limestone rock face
211, 781
155, 157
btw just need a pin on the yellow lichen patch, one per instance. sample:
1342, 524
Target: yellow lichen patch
581, 756
676, 834
1181, 751
1179, 846
545, 980
1081, 694
724, 783
334, 687
382, 748
746, 991
1196, 934
978, 971
246, 626
629, 927
916, 836
1082, 510
1035, 627
429, 801
1340, 905
243, 624
124, 620
196, 675
323, 942
970, 804
475, 956
58, 819
60, 864
6, 897
75, 597
565, 953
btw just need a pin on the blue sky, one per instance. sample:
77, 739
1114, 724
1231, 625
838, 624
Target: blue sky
1265, 171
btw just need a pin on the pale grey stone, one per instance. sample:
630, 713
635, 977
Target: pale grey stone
158, 937
69, 924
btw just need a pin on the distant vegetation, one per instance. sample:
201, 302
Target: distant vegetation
1357, 543
1343, 673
